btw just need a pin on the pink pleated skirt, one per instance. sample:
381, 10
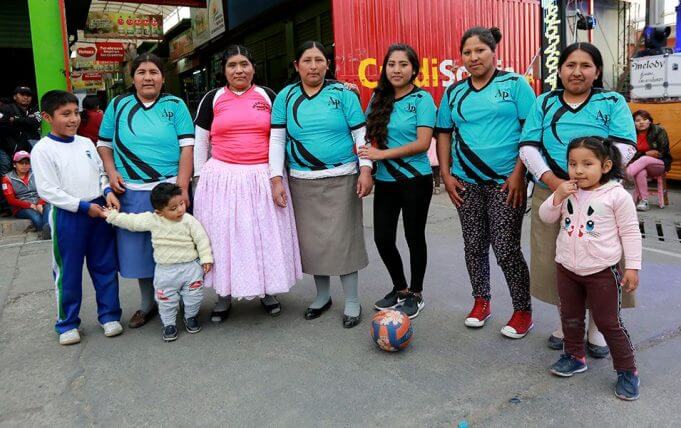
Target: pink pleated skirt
254, 241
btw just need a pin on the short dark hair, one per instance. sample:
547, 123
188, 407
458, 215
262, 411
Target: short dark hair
604, 149
163, 193
56, 98
311, 44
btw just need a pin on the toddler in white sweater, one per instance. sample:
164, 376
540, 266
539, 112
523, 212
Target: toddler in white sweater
181, 251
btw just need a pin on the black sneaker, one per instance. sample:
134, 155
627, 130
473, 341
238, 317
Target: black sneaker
390, 300
412, 305
192, 325
169, 333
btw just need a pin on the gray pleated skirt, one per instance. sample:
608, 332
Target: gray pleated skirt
329, 221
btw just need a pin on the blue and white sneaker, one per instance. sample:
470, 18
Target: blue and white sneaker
568, 365
627, 385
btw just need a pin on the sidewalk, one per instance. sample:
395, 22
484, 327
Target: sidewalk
254, 370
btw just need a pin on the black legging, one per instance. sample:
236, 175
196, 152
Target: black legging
412, 197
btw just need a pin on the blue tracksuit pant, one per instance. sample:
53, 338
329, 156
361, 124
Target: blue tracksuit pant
76, 237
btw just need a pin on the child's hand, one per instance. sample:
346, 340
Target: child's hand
96, 211
207, 267
630, 280
112, 201
565, 189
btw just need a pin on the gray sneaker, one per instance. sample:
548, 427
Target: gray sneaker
642, 205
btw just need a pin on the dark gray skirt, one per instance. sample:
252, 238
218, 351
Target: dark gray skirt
329, 222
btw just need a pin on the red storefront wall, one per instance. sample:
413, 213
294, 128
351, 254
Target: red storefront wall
363, 30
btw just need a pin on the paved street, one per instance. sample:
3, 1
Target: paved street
254, 370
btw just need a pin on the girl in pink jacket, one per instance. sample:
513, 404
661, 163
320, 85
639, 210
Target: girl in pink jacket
599, 226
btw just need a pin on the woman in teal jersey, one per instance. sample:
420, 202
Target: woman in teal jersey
317, 127
400, 121
486, 182
580, 107
145, 138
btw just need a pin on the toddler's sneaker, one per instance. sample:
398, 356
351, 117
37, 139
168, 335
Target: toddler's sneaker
568, 365
169, 333
479, 314
70, 337
112, 328
192, 325
642, 205
519, 325
390, 300
627, 385
412, 305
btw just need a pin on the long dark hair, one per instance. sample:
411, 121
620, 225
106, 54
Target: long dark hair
233, 50
384, 97
604, 149
646, 115
593, 52
90, 103
146, 57
489, 36
310, 44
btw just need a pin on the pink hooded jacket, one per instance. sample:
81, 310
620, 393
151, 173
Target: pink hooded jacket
595, 227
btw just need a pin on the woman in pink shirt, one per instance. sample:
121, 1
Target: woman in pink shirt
254, 241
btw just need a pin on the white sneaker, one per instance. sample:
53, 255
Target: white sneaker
70, 337
642, 205
112, 328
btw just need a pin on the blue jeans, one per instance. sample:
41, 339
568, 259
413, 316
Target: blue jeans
38, 220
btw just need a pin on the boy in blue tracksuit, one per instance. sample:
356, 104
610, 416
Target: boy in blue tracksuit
69, 175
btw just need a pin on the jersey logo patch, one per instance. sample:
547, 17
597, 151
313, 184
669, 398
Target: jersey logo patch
88, 154
411, 108
334, 102
603, 118
502, 95
261, 106
167, 114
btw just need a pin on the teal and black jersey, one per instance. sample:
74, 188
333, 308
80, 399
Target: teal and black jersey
552, 124
319, 127
486, 124
412, 111
146, 141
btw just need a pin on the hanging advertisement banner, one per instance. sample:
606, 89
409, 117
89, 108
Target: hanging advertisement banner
216, 18
111, 25
552, 41
181, 45
187, 3
110, 51
200, 30
100, 57
87, 82
207, 23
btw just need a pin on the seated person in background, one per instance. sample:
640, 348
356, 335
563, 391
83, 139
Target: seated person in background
652, 157
90, 118
18, 187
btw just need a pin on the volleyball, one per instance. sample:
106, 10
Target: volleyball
391, 330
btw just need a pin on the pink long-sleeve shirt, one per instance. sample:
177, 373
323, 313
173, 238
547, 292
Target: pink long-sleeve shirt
597, 227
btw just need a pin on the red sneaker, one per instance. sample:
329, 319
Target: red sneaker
519, 325
479, 314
